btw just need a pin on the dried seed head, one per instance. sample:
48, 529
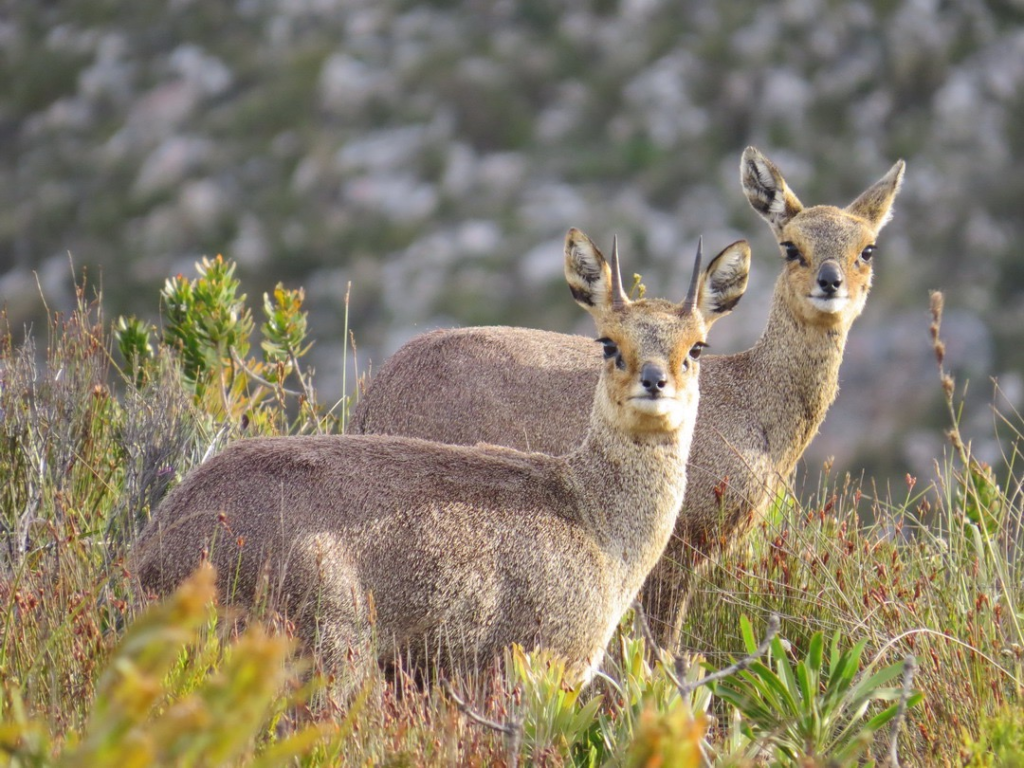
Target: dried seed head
936, 304
937, 300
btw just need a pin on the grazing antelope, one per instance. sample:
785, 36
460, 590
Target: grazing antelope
760, 409
447, 554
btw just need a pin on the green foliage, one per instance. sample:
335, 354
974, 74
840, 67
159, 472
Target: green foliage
552, 720
980, 498
209, 325
133, 337
815, 708
643, 719
1000, 743
45, 76
649, 712
207, 321
140, 717
670, 738
637, 290
645, 690
284, 332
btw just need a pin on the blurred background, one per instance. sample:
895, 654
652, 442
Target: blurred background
434, 153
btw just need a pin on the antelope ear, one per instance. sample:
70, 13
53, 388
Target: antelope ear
766, 190
589, 274
875, 203
724, 281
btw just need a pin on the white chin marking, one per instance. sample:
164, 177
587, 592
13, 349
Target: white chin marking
663, 406
830, 306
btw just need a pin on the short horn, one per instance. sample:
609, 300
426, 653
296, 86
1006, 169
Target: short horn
691, 296
619, 298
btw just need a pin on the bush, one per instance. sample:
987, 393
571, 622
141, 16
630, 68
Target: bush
159, 703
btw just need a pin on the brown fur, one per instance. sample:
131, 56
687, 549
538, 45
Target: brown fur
759, 408
450, 553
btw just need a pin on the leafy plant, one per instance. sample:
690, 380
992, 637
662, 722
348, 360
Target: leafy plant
640, 686
980, 498
815, 709
1000, 743
551, 718
652, 717
667, 738
209, 325
284, 332
145, 713
133, 337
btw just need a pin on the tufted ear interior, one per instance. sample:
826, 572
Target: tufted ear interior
724, 281
875, 203
588, 273
766, 190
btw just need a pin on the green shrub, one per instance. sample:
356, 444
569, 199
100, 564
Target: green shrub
158, 702
815, 709
1000, 742
208, 324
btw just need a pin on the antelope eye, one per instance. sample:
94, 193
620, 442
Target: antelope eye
696, 350
611, 349
867, 253
792, 252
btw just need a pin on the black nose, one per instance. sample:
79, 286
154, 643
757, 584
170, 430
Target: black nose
829, 277
653, 378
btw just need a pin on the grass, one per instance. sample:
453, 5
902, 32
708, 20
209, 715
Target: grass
93, 672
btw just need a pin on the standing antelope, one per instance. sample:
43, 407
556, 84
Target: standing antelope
461, 551
760, 410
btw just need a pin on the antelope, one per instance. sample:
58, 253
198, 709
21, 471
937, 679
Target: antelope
761, 407
441, 554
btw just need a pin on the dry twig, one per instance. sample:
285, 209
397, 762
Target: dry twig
909, 668
512, 730
678, 666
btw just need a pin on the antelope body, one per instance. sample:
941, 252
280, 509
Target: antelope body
759, 410
446, 554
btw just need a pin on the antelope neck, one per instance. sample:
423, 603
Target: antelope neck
800, 367
633, 489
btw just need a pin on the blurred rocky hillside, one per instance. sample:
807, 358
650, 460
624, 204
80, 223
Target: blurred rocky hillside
433, 154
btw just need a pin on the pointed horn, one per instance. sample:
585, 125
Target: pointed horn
619, 298
691, 296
